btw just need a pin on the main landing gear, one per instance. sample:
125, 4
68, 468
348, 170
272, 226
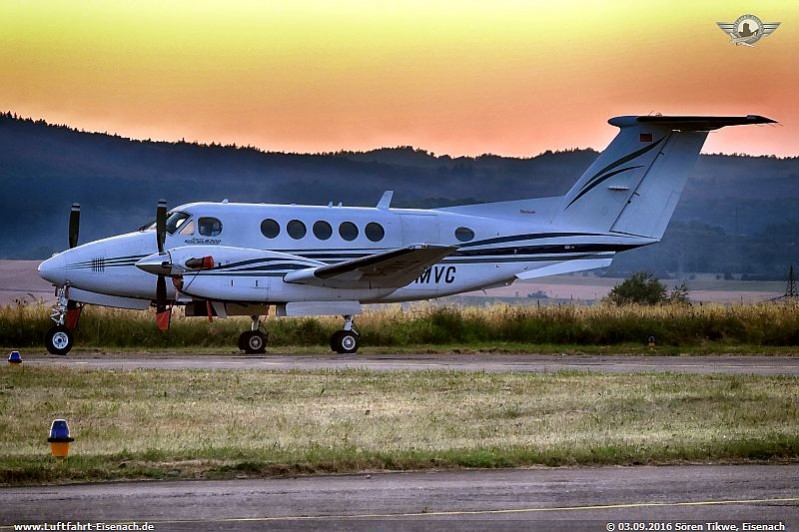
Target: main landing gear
65, 314
253, 342
346, 340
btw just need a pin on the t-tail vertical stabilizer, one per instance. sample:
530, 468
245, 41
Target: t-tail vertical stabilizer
634, 185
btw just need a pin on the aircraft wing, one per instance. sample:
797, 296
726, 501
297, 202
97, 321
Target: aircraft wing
390, 269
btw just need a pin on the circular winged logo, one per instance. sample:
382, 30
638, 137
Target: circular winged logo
747, 30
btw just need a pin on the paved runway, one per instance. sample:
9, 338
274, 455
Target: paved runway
545, 499
731, 364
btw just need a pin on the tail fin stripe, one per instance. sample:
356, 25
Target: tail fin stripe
599, 181
625, 159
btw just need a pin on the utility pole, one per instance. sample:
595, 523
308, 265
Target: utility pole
790, 290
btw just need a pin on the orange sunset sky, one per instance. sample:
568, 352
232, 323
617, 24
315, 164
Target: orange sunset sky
455, 77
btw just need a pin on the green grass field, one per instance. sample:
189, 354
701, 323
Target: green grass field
709, 328
223, 424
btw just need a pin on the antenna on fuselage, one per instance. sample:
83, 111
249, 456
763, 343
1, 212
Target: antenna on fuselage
385, 201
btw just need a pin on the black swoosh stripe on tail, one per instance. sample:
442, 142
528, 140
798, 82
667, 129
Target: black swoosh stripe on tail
599, 181
611, 166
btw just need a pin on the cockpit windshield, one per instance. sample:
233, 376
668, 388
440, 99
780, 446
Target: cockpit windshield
173, 222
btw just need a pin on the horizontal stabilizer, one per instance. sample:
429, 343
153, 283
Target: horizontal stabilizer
390, 269
695, 123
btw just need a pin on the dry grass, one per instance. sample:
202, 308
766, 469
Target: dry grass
767, 324
133, 424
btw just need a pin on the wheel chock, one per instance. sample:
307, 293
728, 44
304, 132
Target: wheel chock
59, 438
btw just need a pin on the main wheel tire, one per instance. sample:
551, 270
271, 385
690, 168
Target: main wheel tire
344, 342
252, 342
58, 340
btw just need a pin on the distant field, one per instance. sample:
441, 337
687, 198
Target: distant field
20, 281
703, 287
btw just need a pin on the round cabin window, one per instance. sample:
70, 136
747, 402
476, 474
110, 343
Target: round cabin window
464, 234
348, 231
270, 228
374, 232
322, 230
296, 229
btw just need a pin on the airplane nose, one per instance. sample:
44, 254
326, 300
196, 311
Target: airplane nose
53, 270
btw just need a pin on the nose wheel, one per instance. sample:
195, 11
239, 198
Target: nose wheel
345, 341
253, 342
58, 340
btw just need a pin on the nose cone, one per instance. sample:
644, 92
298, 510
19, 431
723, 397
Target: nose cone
53, 270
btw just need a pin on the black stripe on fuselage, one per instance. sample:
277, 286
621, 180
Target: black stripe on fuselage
528, 236
487, 260
239, 264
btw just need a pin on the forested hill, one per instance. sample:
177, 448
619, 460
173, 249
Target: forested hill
738, 213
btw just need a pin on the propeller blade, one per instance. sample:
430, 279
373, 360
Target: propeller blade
160, 224
163, 319
163, 313
74, 225
160, 294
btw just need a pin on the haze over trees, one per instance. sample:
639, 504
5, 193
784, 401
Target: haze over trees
738, 213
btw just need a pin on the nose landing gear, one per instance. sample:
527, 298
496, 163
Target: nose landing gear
346, 340
65, 314
253, 342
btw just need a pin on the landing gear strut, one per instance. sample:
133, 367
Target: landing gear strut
253, 342
65, 315
346, 340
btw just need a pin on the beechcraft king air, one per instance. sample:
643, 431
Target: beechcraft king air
225, 259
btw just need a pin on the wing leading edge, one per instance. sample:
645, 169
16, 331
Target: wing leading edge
390, 269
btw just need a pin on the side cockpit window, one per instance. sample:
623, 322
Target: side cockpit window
209, 226
174, 220
187, 229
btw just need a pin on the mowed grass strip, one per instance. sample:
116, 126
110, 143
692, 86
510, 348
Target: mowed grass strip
221, 424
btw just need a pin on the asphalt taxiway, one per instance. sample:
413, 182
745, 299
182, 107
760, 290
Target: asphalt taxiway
559, 498
531, 363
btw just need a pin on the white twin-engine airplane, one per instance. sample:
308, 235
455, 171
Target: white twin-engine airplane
225, 259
